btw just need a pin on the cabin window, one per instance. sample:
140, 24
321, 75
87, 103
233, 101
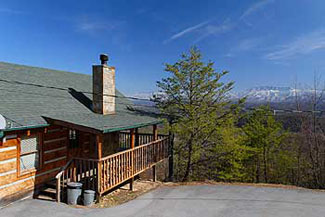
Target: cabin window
74, 138
29, 153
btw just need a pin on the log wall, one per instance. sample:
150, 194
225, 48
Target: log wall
53, 143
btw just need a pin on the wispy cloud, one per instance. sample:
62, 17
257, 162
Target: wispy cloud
300, 46
11, 11
245, 45
204, 29
92, 26
211, 27
255, 7
187, 30
215, 29
249, 44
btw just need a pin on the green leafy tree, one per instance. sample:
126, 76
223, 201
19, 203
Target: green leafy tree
264, 135
226, 153
197, 100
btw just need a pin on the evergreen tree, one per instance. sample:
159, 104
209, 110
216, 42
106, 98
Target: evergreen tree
264, 135
197, 99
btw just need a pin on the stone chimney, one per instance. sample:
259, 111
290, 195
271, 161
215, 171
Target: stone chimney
103, 87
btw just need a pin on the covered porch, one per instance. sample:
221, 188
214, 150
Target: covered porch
103, 161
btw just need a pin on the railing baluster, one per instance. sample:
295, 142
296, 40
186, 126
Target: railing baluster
103, 174
118, 168
110, 172
114, 171
107, 174
129, 164
123, 166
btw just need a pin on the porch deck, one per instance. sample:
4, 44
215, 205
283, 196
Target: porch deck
102, 175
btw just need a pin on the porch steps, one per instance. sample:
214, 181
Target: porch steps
47, 192
51, 184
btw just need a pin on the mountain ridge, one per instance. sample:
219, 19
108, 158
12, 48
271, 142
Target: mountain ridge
259, 93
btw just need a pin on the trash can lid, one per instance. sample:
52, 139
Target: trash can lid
74, 185
89, 192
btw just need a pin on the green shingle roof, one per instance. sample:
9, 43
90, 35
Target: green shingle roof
27, 100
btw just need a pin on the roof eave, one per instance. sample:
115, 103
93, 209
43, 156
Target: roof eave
110, 130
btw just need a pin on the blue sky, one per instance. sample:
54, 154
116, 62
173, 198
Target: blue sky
261, 42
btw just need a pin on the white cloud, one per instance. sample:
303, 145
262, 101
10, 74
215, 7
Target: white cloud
302, 45
203, 30
10, 11
92, 26
245, 45
187, 30
255, 7
249, 44
208, 30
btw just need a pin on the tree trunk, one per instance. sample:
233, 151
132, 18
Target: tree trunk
265, 164
257, 169
298, 175
171, 157
189, 160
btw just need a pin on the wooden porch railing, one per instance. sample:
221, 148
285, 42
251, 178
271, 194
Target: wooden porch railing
119, 167
104, 174
143, 138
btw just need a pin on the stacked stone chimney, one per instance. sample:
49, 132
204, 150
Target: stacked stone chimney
103, 87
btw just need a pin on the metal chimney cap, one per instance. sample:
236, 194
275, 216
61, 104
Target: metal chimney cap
103, 58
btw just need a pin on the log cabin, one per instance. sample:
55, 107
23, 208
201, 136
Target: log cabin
62, 127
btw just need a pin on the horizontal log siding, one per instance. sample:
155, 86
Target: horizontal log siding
8, 163
53, 151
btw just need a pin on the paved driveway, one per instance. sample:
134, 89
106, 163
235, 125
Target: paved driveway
198, 201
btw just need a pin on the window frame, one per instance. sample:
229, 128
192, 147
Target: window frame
74, 138
21, 172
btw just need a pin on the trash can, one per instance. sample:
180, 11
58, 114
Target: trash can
89, 197
74, 192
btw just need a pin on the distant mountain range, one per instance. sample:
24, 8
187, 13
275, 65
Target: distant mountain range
257, 95
273, 94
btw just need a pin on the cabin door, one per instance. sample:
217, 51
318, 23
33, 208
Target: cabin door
73, 146
79, 144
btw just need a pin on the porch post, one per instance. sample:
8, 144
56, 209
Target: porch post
136, 137
132, 134
154, 173
155, 137
155, 132
171, 156
99, 143
132, 138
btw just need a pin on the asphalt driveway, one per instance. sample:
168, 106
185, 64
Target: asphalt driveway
198, 201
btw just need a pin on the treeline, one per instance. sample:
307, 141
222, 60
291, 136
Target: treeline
216, 140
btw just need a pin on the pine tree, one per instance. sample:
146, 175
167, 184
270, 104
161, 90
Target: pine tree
197, 99
264, 135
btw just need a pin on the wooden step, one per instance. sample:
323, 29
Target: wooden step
47, 192
45, 197
50, 192
51, 184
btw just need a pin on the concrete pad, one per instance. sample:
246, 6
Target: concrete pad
198, 201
